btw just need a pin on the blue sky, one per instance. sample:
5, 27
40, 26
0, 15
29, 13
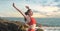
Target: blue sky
42, 8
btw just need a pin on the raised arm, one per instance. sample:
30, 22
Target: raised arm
19, 10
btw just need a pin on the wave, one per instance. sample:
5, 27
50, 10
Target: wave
50, 28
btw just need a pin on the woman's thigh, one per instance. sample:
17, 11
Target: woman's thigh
33, 26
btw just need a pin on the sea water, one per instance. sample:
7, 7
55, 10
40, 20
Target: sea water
43, 21
52, 23
51, 28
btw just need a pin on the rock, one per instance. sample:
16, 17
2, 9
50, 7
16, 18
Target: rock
39, 30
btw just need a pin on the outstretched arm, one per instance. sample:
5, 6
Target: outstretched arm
19, 10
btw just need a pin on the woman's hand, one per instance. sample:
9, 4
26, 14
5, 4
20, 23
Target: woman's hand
13, 4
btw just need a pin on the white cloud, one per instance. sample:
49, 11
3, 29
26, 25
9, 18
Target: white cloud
47, 11
44, 2
45, 8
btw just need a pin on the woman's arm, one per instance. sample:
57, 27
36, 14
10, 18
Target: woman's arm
19, 10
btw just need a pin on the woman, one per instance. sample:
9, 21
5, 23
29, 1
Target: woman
29, 20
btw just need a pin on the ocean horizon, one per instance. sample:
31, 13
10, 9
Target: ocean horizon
44, 21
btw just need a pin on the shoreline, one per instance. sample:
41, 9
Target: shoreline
18, 25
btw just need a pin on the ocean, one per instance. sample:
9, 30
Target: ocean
44, 21
49, 24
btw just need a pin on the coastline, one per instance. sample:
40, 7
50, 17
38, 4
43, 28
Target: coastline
6, 25
20, 25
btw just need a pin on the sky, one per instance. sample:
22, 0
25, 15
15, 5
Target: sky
40, 8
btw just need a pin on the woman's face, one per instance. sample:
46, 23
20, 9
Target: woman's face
30, 13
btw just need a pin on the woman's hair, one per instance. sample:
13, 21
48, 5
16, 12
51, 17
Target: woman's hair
26, 13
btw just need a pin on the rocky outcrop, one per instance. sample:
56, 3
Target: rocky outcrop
6, 25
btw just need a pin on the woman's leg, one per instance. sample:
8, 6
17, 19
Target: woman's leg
32, 27
31, 30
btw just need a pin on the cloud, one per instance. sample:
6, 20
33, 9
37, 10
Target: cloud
35, 11
47, 11
56, 0
57, 11
3, 15
44, 2
43, 8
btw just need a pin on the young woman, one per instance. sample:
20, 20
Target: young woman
29, 20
